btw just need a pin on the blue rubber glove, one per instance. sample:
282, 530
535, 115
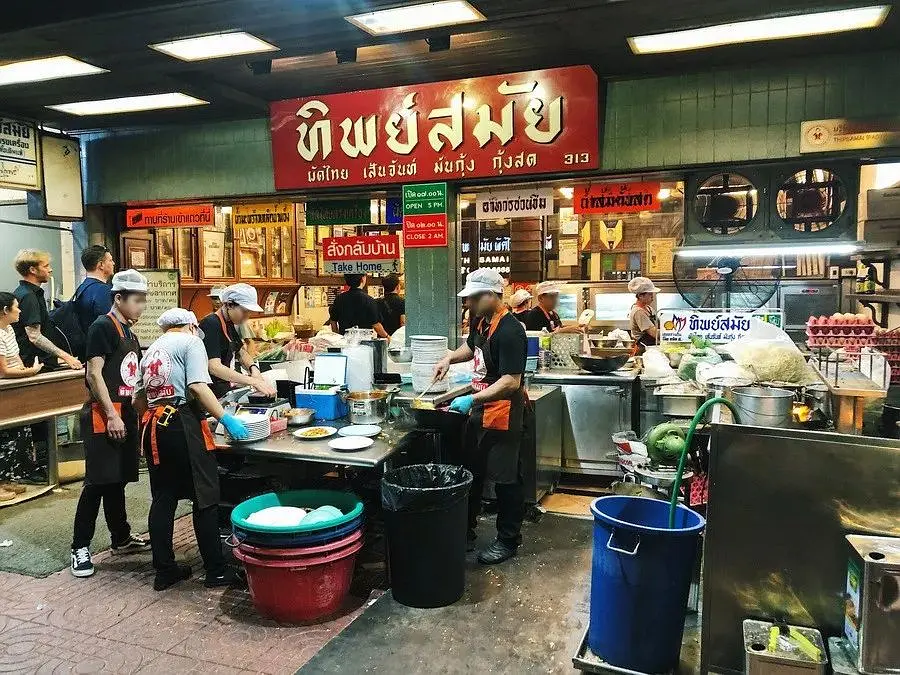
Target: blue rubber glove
462, 404
235, 428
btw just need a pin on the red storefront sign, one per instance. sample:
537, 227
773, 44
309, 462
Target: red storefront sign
359, 255
540, 121
425, 230
616, 198
180, 215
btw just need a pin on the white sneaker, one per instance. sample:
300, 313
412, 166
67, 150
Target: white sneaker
81, 562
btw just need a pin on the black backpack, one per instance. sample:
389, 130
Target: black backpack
68, 334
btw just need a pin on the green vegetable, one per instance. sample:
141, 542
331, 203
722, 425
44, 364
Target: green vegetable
699, 342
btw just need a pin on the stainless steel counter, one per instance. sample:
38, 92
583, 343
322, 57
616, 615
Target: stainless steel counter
594, 407
283, 445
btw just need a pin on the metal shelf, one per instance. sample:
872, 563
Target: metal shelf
884, 298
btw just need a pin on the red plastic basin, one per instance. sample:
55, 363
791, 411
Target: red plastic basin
292, 586
301, 552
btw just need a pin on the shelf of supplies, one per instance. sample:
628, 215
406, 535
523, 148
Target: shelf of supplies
886, 298
877, 254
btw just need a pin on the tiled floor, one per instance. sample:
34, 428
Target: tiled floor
114, 622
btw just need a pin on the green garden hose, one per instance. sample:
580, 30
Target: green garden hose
676, 486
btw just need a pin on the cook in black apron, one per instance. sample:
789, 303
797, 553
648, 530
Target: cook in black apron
178, 444
232, 345
109, 463
492, 438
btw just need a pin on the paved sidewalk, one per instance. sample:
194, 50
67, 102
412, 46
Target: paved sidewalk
114, 622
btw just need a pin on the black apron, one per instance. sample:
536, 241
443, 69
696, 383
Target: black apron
106, 460
497, 422
178, 444
645, 339
233, 348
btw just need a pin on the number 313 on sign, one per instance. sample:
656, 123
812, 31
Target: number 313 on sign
577, 158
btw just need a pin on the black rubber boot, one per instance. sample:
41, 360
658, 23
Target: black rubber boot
497, 552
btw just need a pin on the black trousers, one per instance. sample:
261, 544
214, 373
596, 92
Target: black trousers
161, 523
113, 497
510, 496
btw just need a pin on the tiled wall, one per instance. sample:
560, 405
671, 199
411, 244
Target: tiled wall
183, 162
740, 114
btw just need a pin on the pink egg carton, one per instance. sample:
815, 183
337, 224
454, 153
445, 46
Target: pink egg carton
829, 321
840, 331
848, 343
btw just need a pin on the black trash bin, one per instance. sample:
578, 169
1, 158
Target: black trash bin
425, 515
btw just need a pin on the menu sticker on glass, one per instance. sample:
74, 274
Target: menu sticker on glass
425, 215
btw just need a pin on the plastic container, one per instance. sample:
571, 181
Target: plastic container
640, 579
425, 515
328, 405
294, 539
347, 502
300, 585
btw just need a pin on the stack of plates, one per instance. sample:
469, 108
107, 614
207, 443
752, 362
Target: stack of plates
259, 426
426, 351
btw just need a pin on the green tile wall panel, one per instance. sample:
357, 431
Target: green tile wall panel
741, 114
184, 162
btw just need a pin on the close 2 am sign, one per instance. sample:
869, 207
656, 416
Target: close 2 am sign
540, 121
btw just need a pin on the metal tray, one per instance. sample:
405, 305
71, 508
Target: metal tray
586, 661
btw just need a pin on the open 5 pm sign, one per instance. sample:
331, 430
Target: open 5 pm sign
425, 215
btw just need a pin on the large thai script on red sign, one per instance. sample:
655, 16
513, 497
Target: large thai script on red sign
541, 121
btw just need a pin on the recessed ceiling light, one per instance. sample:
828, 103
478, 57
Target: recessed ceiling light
416, 17
50, 68
127, 104
214, 46
775, 28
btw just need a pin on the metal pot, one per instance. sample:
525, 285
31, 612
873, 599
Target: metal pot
763, 406
369, 407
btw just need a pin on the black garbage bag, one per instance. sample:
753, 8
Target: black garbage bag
423, 487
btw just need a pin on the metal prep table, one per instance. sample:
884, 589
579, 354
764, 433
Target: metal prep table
595, 407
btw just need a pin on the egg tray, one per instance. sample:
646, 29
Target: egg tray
818, 342
845, 330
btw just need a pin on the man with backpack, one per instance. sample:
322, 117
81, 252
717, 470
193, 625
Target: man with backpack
34, 328
92, 297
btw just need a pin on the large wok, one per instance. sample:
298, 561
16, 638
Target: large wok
600, 364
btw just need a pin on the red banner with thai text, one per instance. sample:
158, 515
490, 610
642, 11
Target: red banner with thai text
535, 122
178, 215
616, 198
375, 247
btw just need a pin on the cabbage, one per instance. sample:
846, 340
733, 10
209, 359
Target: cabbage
687, 369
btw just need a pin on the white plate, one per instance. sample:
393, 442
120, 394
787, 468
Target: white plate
350, 443
329, 431
360, 430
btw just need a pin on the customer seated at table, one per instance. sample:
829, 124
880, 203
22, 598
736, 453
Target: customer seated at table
354, 308
10, 362
34, 326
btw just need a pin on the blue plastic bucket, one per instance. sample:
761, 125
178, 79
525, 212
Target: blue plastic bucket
640, 579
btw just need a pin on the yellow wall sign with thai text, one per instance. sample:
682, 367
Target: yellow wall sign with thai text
269, 214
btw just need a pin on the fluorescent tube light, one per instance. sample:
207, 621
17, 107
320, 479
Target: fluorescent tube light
774, 28
823, 248
50, 68
216, 46
416, 17
111, 106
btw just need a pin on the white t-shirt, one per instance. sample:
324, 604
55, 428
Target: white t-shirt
173, 363
9, 348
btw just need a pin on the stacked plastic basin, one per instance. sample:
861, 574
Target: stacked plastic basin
302, 573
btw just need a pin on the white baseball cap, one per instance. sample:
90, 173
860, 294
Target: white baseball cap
216, 292
640, 285
481, 281
519, 297
176, 317
243, 295
547, 287
129, 280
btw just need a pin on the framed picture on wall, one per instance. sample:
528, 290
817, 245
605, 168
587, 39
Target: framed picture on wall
138, 253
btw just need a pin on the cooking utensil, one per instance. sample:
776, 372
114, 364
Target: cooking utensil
369, 407
350, 443
600, 365
314, 433
418, 403
368, 430
443, 419
300, 416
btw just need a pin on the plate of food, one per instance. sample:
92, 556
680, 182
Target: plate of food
350, 443
314, 433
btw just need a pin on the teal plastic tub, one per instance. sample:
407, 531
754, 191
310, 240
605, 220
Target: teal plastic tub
348, 503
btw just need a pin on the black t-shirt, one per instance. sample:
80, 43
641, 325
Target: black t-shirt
103, 338
354, 308
508, 345
390, 308
522, 316
217, 345
536, 320
34, 313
